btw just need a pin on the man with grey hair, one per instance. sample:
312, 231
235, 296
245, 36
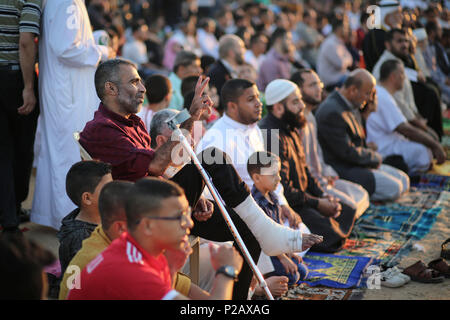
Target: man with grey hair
117, 136
342, 137
231, 56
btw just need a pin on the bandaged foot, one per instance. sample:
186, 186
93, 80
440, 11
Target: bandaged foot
273, 238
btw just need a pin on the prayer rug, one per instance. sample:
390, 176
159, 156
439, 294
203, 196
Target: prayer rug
402, 220
383, 251
335, 271
434, 182
425, 199
442, 169
305, 292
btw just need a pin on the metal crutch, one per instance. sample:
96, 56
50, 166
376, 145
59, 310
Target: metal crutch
173, 124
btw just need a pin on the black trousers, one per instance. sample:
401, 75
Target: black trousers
334, 231
233, 191
17, 133
428, 101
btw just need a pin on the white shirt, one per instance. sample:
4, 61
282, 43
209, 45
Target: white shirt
405, 97
239, 142
146, 115
208, 43
250, 57
136, 51
381, 124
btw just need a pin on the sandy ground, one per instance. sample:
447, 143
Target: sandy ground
411, 291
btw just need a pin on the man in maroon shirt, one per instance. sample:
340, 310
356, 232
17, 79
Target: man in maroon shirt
117, 136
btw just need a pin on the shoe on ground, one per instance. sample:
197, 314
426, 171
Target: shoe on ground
399, 272
391, 279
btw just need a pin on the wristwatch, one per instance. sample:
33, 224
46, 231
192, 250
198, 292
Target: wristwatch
228, 271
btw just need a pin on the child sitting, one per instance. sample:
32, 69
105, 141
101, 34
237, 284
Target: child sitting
264, 169
84, 181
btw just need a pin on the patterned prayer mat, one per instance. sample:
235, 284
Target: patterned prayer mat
425, 199
434, 182
384, 251
335, 271
305, 292
404, 221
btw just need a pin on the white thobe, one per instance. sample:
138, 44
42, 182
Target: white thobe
239, 142
68, 57
381, 129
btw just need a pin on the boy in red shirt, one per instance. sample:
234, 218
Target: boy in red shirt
134, 266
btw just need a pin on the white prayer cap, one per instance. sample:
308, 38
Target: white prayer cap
277, 90
387, 7
420, 34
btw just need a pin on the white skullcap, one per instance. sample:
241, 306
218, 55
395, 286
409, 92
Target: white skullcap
387, 7
420, 34
277, 90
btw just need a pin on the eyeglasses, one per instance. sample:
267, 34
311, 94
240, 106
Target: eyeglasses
184, 217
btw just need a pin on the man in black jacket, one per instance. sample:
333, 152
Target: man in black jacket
321, 213
231, 55
343, 139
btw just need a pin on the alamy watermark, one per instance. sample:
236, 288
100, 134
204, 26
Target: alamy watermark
374, 19
374, 277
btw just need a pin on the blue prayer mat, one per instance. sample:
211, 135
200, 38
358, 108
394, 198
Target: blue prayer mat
335, 271
404, 220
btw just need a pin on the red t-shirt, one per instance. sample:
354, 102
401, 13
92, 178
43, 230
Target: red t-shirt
124, 271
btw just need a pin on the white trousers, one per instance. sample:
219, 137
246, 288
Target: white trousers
350, 193
390, 183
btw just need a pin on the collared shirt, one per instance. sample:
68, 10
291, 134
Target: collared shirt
125, 271
230, 69
274, 66
17, 16
122, 142
271, 208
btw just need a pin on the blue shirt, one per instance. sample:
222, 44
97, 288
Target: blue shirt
271, 209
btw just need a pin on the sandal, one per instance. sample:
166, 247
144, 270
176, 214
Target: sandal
441, 266
445, 249
420, 273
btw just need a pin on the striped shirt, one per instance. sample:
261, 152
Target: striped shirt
17, 16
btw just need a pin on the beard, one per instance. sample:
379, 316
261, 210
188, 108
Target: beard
293, 120
239, 59
311, 100
128, 104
